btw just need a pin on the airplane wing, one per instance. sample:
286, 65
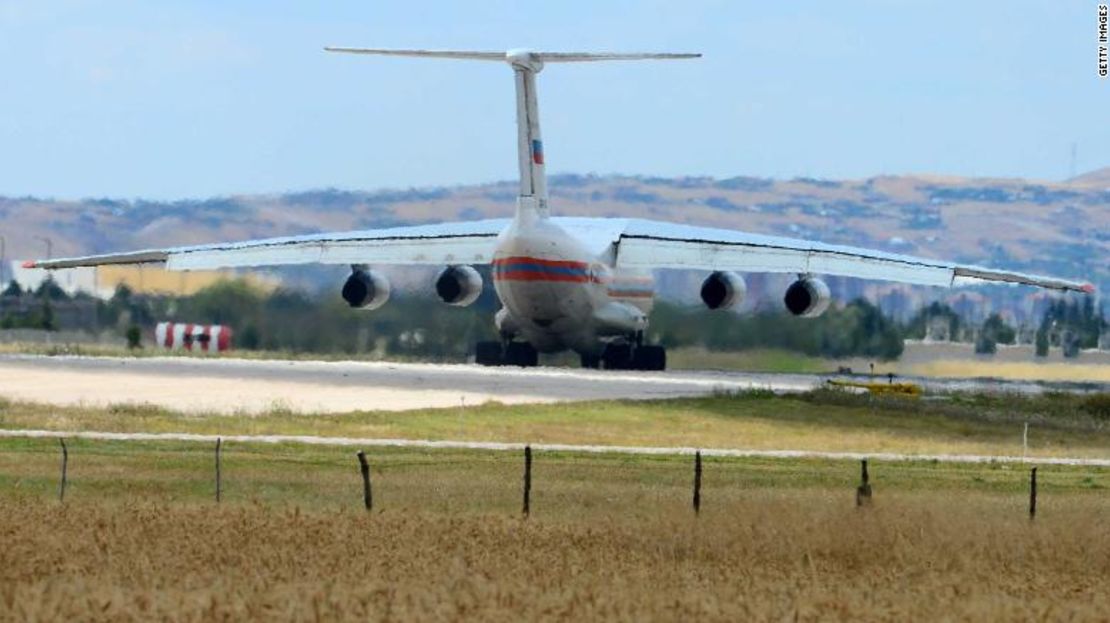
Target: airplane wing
639, 243
655, 244
442, 243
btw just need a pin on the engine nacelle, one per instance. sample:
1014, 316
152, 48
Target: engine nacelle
723, 289
459, 285
807, 297
366, 289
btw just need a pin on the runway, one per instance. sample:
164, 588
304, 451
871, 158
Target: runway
252, 386
242, 386
550, 447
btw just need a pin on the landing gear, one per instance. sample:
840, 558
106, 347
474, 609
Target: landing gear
650, 358
511, 354
521, 354
487, 353
625, 356
617, 356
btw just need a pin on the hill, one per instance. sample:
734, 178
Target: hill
1056, 228
1099, 178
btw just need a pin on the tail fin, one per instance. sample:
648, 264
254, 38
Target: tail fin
526, 64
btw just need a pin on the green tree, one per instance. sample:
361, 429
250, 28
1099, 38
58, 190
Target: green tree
919, 324
1041, 343
985, 345
134, 337
46, 316
1077, 320
996, 330
49, 289
858, 328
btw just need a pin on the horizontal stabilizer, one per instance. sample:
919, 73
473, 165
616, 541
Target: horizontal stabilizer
473, 56
583, 57
508, 56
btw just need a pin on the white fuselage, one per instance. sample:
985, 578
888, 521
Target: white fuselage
559, 290
560, 294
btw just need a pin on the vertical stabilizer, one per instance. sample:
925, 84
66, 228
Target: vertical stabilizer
533, 178
532, 201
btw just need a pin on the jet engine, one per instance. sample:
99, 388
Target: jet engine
808, 297
459, 285
723, 289
366, 289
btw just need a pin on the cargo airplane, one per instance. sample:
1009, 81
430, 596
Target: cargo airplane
577, 283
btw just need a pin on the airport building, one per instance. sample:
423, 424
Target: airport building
101, 282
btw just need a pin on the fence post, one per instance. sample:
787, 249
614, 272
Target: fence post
527, 480
1033, 494
218, 487
863, 491
697, 482
364, 467
1025, 442
65, 464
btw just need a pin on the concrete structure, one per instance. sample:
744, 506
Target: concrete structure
102, 281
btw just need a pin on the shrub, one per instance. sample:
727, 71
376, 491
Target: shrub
1098, 405
134, 337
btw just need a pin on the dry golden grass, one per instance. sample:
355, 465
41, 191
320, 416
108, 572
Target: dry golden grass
611, 537
1061, 425
1015, 370
803, 555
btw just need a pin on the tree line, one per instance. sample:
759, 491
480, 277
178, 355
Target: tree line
420, 327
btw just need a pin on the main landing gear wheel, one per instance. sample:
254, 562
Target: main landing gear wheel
617, 357
488, 354
650, 358
521, 354
511, 354
629, 357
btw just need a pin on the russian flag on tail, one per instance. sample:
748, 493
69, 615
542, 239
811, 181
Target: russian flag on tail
537, 151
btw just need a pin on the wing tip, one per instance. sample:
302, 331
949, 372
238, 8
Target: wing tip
30, 264
1089, 288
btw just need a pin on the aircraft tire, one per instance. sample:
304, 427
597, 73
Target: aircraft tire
521, 354
650, 358
592, 362
618, 357
488, 354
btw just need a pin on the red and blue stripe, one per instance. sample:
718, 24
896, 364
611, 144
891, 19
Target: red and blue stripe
522, 268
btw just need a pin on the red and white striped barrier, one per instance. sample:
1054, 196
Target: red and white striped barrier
212, 338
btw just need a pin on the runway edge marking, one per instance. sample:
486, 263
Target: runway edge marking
552, 447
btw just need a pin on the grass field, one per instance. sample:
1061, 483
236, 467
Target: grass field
1015, 370
609, 537
1060, 424
140, 536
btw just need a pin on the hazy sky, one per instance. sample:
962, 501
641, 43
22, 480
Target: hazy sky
171, 99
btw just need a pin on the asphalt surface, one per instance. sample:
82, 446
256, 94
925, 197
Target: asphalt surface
251, 386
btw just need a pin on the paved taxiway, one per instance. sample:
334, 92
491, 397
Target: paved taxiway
251, 386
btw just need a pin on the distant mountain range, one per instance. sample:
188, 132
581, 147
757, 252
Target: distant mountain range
1058, 228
